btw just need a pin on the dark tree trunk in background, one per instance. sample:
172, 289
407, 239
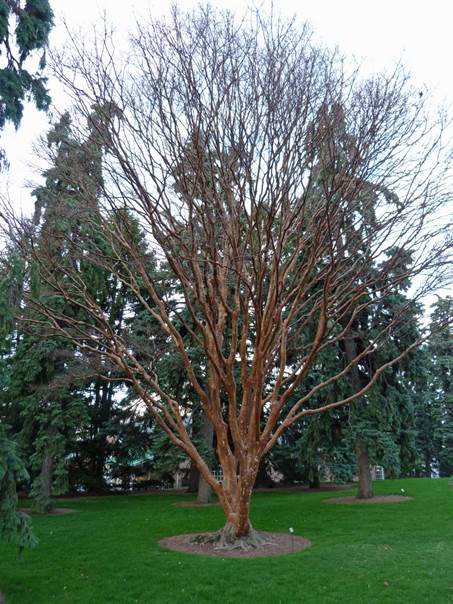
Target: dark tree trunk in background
313, 479
365, 489
99, 449
194, 477
42, 500
263, 480
428, 458
204, 494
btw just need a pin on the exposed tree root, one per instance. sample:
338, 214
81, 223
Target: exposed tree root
226, 539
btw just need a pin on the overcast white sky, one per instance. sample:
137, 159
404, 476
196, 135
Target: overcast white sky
376, 33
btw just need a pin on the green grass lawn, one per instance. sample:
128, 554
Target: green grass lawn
108, 552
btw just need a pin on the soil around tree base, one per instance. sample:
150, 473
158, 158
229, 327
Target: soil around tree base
352, 500
196, 504
277, 544
52, 512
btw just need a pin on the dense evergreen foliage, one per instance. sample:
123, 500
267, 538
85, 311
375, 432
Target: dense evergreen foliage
24, 29
440, 353
24, 33
14, 525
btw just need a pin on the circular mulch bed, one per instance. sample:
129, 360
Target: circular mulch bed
325, 486
52, 512
281, 544
195, 504
377, 499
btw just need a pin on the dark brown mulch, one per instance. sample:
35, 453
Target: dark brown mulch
282, 543
377, 499
53, 512
196, 504
325, 486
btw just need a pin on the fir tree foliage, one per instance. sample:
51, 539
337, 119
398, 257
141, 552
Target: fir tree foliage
440, 350
14, 526
69, 230
24, 30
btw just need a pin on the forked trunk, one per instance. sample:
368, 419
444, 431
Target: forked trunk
235, 495
365, 489
238, 532
238, 521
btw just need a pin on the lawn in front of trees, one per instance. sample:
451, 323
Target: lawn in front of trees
108, 552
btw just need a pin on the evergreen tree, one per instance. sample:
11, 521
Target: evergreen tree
315, 449
370, 423
426, 415
14, 525
382, 425
70, 231
379, 429
51, 409
36, 398
45, 406
24, 29
440, 350
58, 219
24, 32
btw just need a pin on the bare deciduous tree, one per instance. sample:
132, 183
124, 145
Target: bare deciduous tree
284, 195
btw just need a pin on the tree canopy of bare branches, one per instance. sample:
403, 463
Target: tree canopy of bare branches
284, 193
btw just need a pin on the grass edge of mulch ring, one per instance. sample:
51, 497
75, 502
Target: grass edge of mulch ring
51, 512
353, 500
196, 504
280, 544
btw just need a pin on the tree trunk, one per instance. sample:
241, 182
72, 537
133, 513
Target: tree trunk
238, 521
234, 494
428, 458
42, 491
238, 532
313, 478
365, 489
194, 478
204, 494
98, 450
236, 498
263, 480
